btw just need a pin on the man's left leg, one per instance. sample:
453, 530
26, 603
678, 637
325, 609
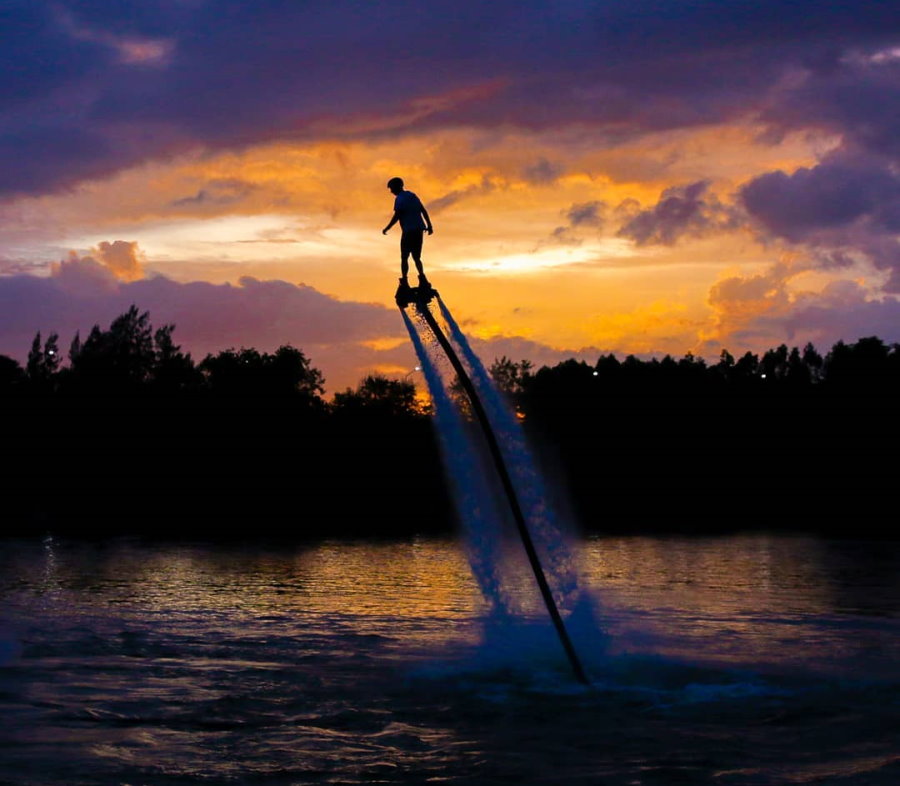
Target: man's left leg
415, 248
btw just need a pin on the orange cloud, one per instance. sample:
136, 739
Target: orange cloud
124, 259
312, 212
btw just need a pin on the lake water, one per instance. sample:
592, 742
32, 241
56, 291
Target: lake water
756, 659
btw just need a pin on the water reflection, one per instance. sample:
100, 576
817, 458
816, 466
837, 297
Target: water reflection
50, 578
751, 600
365, 661
741, 598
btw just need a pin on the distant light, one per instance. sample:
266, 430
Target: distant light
763, 376
596, 373
51, 352
417, 368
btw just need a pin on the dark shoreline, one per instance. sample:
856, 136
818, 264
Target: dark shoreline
133, 437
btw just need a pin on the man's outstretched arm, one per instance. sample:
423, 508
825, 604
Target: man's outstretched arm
394, 219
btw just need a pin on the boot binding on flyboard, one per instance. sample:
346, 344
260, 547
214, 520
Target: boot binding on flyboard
421, 294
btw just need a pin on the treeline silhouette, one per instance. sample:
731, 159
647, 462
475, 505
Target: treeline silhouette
132, 436
787, 440
129, 434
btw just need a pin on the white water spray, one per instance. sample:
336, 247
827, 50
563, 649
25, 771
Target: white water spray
477, 505
479, 497
527, 479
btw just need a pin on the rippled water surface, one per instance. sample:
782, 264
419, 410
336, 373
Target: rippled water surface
733, 660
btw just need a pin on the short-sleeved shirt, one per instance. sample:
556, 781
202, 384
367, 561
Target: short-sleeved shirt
409, 210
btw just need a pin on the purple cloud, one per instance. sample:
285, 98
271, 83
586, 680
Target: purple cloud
851, 93
542, 171
836, 193
843, 312
90, 87
681, 210
486, 186
219, 191
846, 206
760, 310
580, 215
586, 214
208, 317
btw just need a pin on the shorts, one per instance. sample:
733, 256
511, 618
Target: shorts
411, 243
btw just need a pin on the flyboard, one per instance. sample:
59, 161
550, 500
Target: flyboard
420, 297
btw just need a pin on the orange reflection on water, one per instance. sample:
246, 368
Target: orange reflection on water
421, 578
743, 598
734, 598
393, 584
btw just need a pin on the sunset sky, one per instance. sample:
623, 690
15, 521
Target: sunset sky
649, 176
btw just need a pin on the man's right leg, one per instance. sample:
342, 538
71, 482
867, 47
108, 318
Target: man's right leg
415, 247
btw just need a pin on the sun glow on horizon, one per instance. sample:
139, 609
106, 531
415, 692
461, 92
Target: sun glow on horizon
546, 258
528, 245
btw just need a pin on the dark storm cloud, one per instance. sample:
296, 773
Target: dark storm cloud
845, 206
48, 153
37, 56
681, 210
854, 95
836, 193
90, 87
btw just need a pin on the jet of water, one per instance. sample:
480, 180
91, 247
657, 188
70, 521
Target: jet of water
527, 478
475, 501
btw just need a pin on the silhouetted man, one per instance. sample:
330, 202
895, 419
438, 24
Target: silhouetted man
414, 222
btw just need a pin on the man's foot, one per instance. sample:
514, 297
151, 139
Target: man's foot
404, 294
424, 282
